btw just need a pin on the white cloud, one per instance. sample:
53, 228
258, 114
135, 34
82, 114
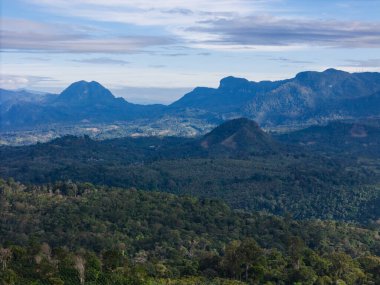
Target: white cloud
173, 16
222, 25
8, 81
162, 10
102, 60
254, 31
19, 34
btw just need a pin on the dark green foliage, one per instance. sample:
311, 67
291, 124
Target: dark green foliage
239, 137
344, 138
305, 184
61, 227
97, 235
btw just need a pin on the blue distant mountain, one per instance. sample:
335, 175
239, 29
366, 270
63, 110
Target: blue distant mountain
86, 93
12, 97
308, 98
81, 102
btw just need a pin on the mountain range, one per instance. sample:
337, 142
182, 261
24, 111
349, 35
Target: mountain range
308, 98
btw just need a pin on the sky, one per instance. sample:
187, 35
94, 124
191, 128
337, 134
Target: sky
155, 51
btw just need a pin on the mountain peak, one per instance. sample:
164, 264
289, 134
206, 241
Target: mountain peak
239, 135
233, 82
328, 71
86, 92
329, 76
334, 71
85, 84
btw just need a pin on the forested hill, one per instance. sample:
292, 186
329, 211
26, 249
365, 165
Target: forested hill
345, 138
239, 137
237, 162
68, 233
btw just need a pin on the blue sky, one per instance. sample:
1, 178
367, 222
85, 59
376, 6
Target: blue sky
155, 51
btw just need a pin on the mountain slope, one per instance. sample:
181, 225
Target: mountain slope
301, 180
125, 236
85, 93
14, 96
241, 136
81, 102
339, 137
309, 97
8, 98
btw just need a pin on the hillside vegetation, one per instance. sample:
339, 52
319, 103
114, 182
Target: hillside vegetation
236, 162
68, 233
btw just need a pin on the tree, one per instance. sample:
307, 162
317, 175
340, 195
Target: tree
249, 254
231, 260
5, 257
79, 264
295, 248
344, 268
371, 264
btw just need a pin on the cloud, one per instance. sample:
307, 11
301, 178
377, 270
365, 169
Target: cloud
102, 60
204, 53
157, 65
8, 81
289, 60
175, 54
180, 11
149, 12
207, 24
274, 31
27, 35
172, 17
374, 62
224, 24
42, 59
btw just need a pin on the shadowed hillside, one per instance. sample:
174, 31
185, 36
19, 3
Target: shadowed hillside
236, 162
